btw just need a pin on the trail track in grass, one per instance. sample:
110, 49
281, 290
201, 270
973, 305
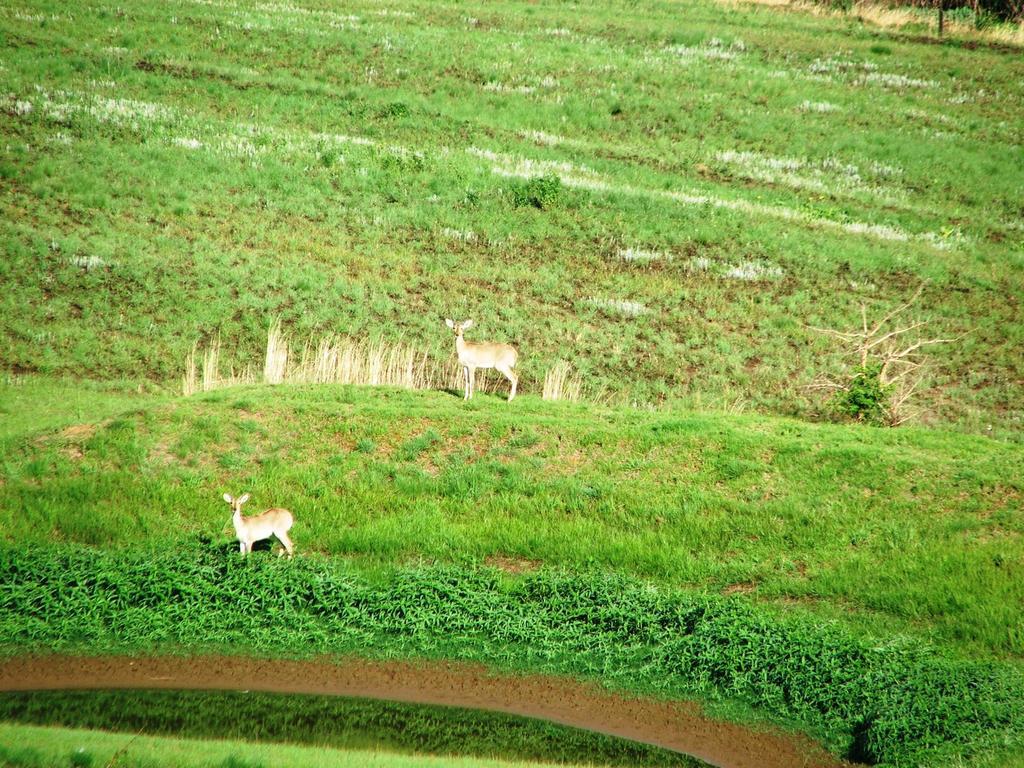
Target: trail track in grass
674, 725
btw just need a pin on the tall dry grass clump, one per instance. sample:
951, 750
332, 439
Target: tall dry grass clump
562, 383
275, 361
344, 360
210, 377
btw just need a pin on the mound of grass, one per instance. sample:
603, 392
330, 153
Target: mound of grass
891, 702
332, 722
912, 531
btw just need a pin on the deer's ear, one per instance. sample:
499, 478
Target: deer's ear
449, 322
244, 498
228, 499
467, 324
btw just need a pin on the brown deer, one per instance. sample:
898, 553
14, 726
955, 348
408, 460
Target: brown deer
273, 522
483, 354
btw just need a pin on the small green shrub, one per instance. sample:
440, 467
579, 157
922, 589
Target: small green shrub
865, 399
81, 758
539, 192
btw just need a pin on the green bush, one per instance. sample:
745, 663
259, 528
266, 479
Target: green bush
539, 192
865, 399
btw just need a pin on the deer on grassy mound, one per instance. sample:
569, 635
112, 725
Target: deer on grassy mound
483, 354
273, 522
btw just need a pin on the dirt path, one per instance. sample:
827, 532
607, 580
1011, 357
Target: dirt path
675, 725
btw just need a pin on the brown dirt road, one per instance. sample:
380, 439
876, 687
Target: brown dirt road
675, 725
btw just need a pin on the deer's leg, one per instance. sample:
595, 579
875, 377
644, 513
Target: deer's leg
506, 371
465, 382
289, 547
472, 381
241, 548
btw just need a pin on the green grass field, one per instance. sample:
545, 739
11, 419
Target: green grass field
668, 196
26, 746
729, 176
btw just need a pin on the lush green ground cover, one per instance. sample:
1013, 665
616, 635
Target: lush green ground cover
910, 530
171, 171
25, 746
329, 721
892, 702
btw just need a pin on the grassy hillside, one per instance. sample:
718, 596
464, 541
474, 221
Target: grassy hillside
913, 529
25, 746
726, 176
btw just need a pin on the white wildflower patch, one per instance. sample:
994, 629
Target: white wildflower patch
61, 138
642, 255
22, 108
558, 32
396, 14
890, 80
817, 106
582, 177
495, 87
463, 236
115, 50
714, 49
37, 18
880, 231
827, 176
523, 167
62, 106
619, 306
127, 111
103, 85
181, 141
835, 65
339, 138
88, 262
699, 264
313, 13
754, 271
547, 139
836, 68
238, 146
544, 83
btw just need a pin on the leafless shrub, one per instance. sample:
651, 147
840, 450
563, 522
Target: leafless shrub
889, 360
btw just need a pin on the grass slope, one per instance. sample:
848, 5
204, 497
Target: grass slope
327, 721
728, 175
912, 530
25, 746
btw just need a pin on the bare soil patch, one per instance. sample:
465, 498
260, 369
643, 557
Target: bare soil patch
680, 726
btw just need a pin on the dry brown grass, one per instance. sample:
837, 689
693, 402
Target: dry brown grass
896, 18
561, 383
343, 360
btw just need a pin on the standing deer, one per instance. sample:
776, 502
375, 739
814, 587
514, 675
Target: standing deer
483, 354
273, 522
